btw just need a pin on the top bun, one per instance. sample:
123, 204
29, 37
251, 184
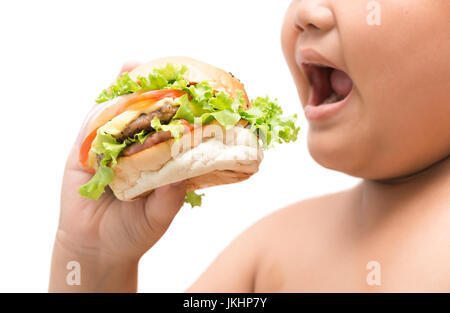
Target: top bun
198, 71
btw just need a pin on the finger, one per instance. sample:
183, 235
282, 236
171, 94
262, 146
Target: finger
74, 177
126, 67
164, 203
81, 175
129, 66
72, 161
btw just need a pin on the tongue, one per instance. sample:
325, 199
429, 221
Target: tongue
341, 83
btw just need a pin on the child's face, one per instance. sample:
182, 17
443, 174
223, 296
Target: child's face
396, 120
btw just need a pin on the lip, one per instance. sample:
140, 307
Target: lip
311, 56
315, 113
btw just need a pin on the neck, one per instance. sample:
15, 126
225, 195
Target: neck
426, 188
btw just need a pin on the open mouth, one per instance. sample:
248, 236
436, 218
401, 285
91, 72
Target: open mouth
328, 85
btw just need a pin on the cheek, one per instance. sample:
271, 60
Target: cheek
407, 99
346, 144
400, 121
289, 38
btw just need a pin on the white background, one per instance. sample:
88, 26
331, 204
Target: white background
56, 56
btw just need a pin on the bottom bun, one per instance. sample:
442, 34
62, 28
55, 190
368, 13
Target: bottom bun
202, 161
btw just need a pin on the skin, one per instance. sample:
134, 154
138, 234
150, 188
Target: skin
107, 237
394, 133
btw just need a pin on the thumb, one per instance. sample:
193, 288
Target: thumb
72, 163
163, 204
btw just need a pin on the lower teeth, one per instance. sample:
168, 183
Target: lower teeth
332, 98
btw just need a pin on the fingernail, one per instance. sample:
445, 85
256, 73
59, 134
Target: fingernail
129, 66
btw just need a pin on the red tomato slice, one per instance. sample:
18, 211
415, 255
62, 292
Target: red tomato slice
85, 147
149, 98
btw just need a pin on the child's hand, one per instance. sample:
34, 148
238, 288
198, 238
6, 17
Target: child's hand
107, 236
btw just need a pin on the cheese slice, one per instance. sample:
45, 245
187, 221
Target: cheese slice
121, 121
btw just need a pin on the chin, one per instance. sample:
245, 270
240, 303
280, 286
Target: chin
339, 153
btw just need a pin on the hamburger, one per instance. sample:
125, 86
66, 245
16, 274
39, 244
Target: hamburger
177, 119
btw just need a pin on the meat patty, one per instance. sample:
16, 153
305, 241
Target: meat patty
164, 113
153, 140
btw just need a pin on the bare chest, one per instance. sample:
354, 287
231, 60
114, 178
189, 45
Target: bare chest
388, 261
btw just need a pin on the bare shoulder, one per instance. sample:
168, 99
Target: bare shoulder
301, 240
238, 267
309, 215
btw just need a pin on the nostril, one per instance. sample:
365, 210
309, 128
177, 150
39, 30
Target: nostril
312, 26
308, 26
299, 28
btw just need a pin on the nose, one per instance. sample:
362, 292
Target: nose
314, 15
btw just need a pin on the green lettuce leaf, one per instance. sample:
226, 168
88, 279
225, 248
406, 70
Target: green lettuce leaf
107, 146
265, 118
193, 198
168, 76
175, 127
140, 137
109, 149
227, 118
185, 110
205, 118
201, 93
171, 72
96, 186
222, 101
201, 105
